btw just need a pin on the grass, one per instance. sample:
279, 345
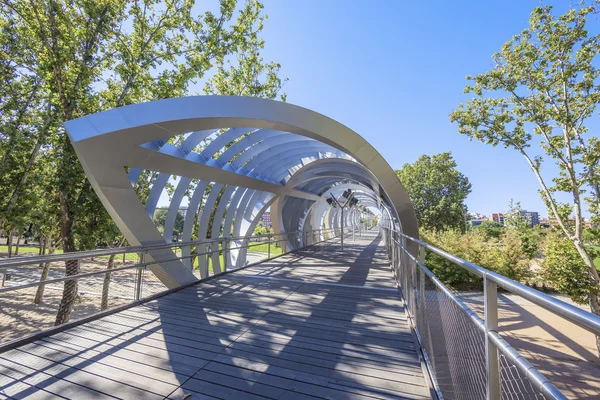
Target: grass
254, 247
26, 250
263, 247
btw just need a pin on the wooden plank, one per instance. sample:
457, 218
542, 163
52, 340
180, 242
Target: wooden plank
400, 357
55, 356
346, 382
292, 387
312, 334
75, 376
363, 373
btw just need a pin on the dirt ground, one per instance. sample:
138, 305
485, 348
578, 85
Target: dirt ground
19, 316
563, 352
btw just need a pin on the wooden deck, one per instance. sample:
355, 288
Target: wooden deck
319, 323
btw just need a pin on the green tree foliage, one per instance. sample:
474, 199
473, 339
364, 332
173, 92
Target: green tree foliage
160, 218
471, 245
504, 255
491, 229
261, 229
565, 269
538, 100
437, 191
60, 60
530, 236
508, 256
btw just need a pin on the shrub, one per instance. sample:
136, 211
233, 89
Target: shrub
505, 256
471, 246
564, 268
509, 257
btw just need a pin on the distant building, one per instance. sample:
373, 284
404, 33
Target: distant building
266, 219
531, 217
498, 218
552, 222
477, 219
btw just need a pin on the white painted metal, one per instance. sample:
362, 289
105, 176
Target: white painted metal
266, 154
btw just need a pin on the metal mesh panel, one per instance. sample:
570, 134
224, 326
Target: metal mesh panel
454, 345
514, 384
453, 342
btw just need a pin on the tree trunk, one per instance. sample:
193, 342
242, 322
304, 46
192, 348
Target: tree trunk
106, 284
72, 266
9, 242
194, 255
39, 294
17, 245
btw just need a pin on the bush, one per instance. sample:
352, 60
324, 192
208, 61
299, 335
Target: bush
471, 246
504, 256
564, 268
509, 256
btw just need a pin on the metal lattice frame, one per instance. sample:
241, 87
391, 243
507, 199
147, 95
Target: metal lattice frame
252, 153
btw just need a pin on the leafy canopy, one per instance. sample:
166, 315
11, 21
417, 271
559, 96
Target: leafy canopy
538, 100
437, 191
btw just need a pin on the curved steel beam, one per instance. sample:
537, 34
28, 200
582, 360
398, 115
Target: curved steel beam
134, 136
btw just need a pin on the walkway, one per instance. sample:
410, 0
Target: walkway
319, 323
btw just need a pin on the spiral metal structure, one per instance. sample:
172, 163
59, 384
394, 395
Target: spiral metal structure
230, 159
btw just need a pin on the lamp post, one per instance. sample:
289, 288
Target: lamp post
350, 202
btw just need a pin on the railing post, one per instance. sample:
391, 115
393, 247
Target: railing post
421, 284
138, 279
225, 246
393, 258
490, 294
269, 248
342, 229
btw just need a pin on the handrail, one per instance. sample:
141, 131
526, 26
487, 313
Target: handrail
26, 260
141, 249
542, 383
572, 313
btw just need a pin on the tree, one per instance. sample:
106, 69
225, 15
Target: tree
530, 236
60, 60
437, 191
160, 218
538, 100
491, 229
565, 269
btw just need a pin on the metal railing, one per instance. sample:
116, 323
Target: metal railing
467, 357
31, 295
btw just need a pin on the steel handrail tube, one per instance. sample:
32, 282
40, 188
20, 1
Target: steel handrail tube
533, 375
103, 272
572, 313
470, 313
25, 260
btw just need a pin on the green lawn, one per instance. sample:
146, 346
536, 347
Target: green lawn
263, 247
255, 247
23, 250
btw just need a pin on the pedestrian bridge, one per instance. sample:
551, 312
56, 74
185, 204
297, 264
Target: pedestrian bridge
330, 305
317, 323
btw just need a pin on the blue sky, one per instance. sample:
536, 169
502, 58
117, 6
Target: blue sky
393, 71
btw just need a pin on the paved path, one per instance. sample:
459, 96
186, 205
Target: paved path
319, 323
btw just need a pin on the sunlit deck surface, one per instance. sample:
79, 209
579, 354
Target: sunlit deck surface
318, 323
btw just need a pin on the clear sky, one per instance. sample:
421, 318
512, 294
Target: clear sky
393, 71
